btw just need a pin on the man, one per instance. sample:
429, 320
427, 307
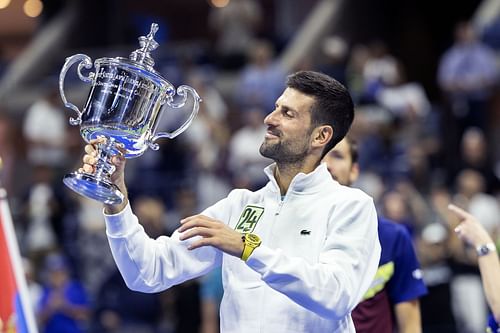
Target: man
317, 247
392, 300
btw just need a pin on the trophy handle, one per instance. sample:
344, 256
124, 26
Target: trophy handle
84, 61
181, 91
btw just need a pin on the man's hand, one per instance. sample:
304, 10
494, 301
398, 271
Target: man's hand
117, 177
213, 233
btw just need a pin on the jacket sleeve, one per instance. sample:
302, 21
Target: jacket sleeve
153, 265
346, 267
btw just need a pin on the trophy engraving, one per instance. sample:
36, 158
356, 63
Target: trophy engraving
125, 102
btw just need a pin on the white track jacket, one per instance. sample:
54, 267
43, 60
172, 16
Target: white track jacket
319, 254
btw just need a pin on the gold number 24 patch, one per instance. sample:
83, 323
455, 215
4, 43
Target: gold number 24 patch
249, 218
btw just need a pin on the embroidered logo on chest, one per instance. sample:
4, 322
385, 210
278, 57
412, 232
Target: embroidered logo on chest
249, 218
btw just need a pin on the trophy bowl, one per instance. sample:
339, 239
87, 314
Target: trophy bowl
125, 102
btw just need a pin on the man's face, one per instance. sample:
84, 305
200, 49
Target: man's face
339, 163
288, 136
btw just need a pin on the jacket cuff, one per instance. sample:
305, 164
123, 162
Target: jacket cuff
119, 224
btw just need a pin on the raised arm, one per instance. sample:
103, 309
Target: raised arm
146, 264
472, 232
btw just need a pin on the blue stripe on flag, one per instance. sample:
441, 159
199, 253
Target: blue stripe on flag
21, 325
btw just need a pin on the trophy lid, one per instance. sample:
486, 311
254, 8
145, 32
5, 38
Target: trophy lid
147, 44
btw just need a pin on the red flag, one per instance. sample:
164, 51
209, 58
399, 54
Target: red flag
16, 314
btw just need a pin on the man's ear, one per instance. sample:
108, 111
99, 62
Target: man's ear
322, 135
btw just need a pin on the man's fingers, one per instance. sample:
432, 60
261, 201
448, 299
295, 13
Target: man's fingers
459, 211
97, 140
196, 231
88, 168
90, 150
198, 217
199, 243
118, 160
193, 223
88, 159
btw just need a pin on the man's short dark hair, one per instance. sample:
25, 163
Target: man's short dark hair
333, 104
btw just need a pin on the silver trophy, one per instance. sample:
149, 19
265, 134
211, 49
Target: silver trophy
124, 106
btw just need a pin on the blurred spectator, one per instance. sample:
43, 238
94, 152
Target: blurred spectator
187, 307
211, 292
170, 164
433, 253
335, 51
467, 74
418, 209
490, 33
47, 144
235, 26
207, 139
404, 99
11, 152
151, 212
475, 155
64, 307
119, 309
394, 207
379, 67
7, 151
354, 71
260, 82
35, 289
244, 160
202, 80
209, 133
4, 62
185, 204
421, 173
85, 225
372, 184
384, 153
43, 216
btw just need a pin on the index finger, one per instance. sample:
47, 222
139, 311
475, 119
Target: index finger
100, 139
91, 150
197, 216
459, 212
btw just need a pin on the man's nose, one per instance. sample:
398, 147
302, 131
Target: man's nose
271, 118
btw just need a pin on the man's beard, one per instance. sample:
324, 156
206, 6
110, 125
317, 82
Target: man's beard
285, 152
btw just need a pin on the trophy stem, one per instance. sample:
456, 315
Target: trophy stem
98, 186
104, 168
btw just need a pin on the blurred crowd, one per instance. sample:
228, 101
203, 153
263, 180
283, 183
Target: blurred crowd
416, 156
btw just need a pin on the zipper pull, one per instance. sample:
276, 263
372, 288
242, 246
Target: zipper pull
279, 207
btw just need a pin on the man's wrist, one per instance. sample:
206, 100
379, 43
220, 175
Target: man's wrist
250, 243
115, 209
485, 249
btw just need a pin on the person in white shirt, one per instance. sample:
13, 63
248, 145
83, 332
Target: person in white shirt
296, 255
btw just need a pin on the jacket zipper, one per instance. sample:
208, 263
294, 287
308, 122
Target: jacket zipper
282, 201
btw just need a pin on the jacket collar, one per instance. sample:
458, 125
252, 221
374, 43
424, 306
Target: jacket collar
302, 183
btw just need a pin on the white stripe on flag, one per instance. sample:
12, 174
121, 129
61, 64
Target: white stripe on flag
15, 258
